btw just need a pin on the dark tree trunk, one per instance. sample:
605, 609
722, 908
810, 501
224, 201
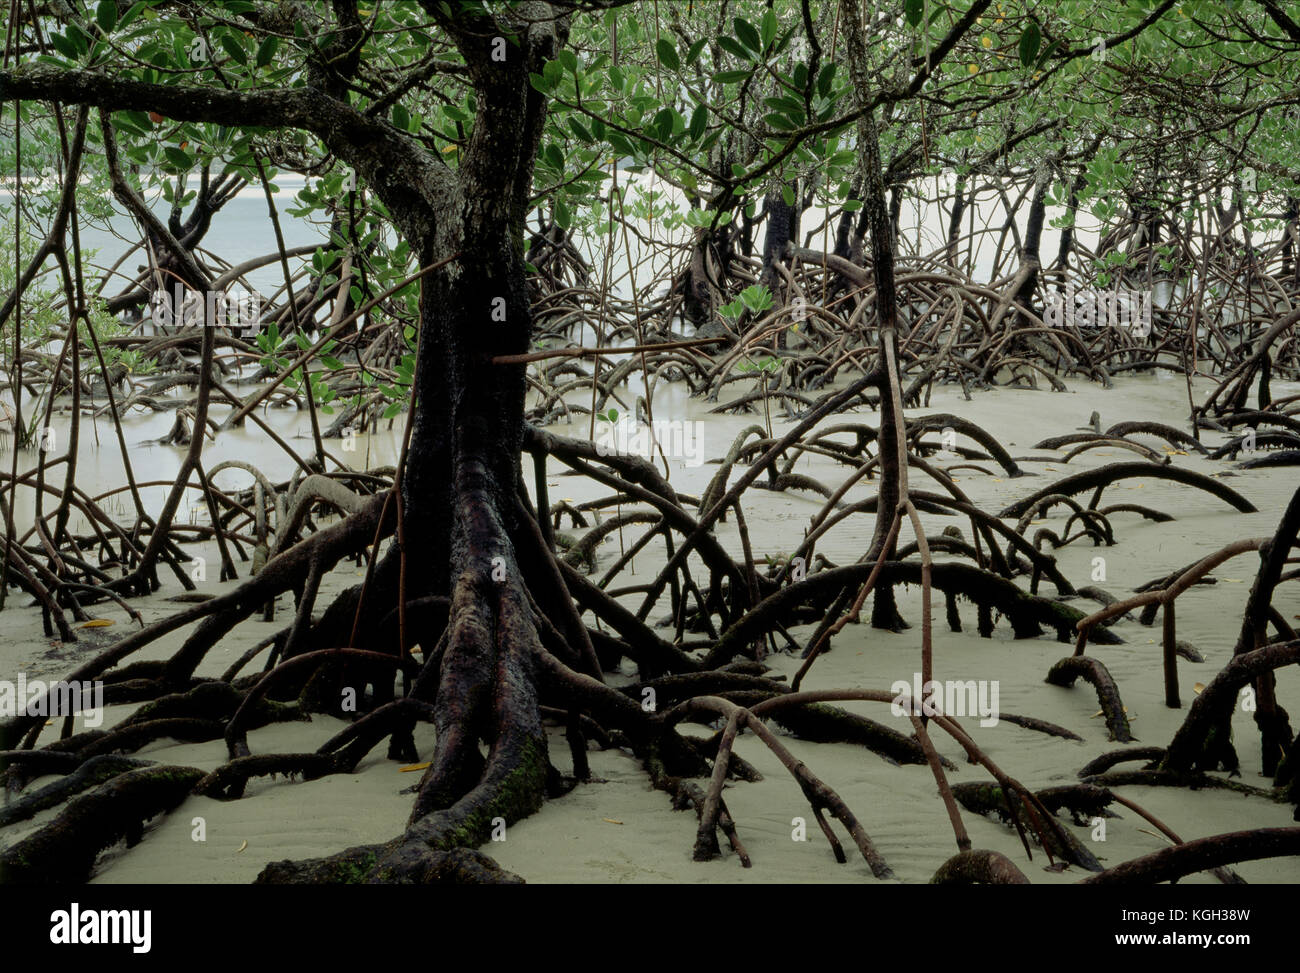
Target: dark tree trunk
877, 218
884, 610
462, 525
1030, 260
1292, 233
699, 289
954, 222
844, 230
782, 230
465, 534
895, 208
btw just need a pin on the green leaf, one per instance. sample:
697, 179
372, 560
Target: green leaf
768, 27
266, 50
234, 46
787, 194
401, 117
64, 46
732, 46
699, 118
79, 38
580, 130
780, 122
393, 409
663, 123
748, 34
756, 297
667, 54
791, 106
621, 145
130, 15
914, 10
730, 77
136, 122
824, 78
1030, 41
694, 53
178, 157
106, 15
1048, 51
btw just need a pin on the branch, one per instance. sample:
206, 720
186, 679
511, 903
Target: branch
1282, 20
392, 162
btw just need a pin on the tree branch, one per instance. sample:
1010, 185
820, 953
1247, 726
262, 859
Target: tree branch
398, 168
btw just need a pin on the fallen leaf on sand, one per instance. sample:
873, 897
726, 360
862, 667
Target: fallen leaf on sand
412, 767
243, 846
1101, 712
1199, 688
611, 821
97, 623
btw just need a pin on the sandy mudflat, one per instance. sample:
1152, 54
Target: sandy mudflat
620, 830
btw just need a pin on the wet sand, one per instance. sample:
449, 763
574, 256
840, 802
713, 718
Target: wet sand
618, 829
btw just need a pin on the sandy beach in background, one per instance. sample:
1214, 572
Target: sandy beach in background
618, 829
